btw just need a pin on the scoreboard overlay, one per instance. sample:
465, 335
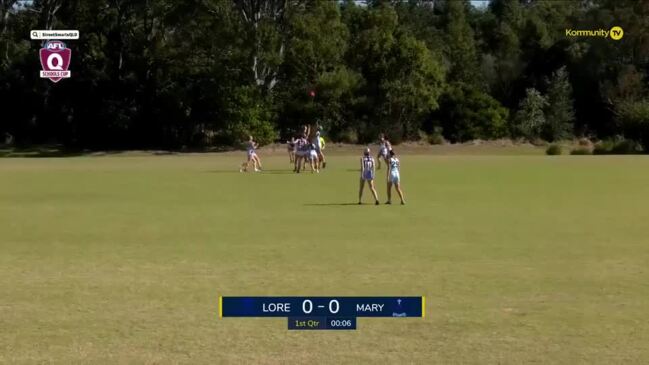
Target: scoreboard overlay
322, 313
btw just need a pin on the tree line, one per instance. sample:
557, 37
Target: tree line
201, 73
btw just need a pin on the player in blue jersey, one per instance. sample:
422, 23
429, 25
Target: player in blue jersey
367, 174
384, 150
394, 177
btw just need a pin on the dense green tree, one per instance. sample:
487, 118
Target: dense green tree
424, 20
559, 113
402, 79
468, 113
316, 45
633, 117
412, 88
530, 118
460, 45
199, 73
505, 46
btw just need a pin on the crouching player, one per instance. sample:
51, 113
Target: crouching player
367, 174
394, 177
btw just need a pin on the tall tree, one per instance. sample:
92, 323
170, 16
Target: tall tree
507, 51
6, 9
559, 113
316, 45
265, 22
48, 10
460, 45
530, 118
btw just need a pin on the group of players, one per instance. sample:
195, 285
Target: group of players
300, 152
308, 147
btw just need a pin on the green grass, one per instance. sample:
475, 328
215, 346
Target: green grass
523, 259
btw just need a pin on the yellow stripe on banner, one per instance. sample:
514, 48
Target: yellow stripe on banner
423, 307
220, 306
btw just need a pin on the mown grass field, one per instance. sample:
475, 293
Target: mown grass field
523, 259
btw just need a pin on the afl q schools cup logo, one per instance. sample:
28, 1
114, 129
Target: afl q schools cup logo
55, 60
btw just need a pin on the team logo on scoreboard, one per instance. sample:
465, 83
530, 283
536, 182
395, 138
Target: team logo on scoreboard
55, 60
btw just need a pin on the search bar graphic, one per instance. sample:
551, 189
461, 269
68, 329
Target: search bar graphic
54, 34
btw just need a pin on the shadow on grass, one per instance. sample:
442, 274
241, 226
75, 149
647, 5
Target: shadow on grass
40, 152
224, 172
61, 151
51, 151
331, 204
270, 172
277, 172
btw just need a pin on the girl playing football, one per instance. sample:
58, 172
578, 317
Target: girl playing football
367, 174
251, 147
384, 149
394, 177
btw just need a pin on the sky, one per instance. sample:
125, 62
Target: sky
479, 3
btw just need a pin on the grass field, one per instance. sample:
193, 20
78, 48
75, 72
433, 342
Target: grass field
522, 259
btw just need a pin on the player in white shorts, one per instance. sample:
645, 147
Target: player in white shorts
290, 147
384, 150
367, 174
301, 153
394, 177
313, 159
318, 141
251, 147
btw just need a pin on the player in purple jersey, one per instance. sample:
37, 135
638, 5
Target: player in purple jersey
367, 174
301, 153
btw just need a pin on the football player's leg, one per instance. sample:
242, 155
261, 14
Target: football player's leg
398, 187
247, 163
321, 160
389, 191
376, 196
258, 160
